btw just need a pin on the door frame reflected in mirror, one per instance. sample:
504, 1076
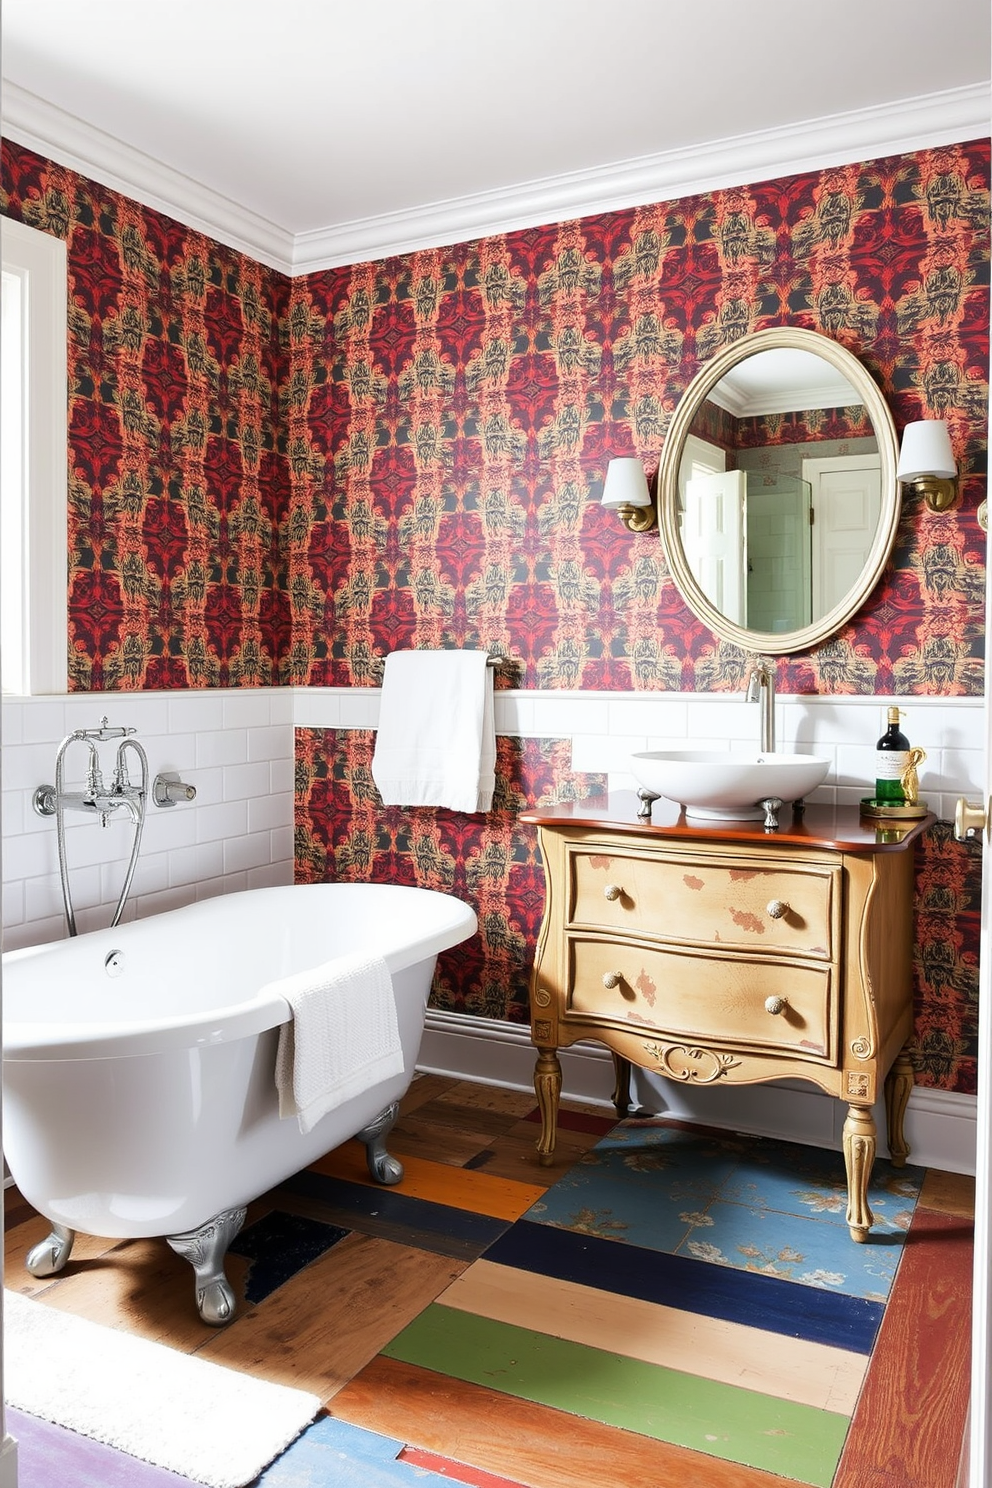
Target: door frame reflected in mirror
669, 503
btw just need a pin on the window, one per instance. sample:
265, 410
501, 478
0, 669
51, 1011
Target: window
33, 461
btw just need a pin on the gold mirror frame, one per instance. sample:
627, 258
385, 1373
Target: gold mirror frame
791, 338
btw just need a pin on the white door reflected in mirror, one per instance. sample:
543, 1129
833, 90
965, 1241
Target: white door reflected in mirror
714, 536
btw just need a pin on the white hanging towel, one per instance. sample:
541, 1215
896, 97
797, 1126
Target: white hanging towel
342, 1038
436, 741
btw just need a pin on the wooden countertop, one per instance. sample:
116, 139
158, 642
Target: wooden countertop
839, 827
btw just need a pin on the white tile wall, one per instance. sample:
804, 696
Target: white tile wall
236, 747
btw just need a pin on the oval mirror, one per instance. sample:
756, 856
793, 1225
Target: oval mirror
777, 494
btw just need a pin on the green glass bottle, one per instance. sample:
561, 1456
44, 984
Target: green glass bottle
891, 760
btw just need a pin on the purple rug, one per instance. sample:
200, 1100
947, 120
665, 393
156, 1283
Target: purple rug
52, 1457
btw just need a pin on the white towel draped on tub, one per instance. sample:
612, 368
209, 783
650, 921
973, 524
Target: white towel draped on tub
436, 741
342, 1037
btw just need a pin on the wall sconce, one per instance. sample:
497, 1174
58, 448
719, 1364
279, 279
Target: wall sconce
927, 464
626, 492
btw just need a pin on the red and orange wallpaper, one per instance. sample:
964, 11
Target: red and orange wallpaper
177, 472
490, 860
452, 412
276, 481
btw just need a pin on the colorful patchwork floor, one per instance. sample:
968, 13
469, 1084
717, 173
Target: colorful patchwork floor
680, 1307
696, 1290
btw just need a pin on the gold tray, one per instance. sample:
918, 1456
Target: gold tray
883, 811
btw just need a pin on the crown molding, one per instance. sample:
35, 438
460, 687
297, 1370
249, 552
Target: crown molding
841, 139
58, 135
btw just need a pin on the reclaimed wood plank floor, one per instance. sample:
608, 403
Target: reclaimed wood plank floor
390, 1256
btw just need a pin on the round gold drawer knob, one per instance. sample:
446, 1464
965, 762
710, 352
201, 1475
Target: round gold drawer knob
776, 1005
612, 979
612, 891
777, 908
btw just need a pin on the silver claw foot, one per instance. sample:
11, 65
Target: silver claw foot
383, 1167
205, 1249
50, 1254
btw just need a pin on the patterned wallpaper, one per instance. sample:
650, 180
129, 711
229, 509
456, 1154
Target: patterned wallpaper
177, 476
451, 414
344, 833
279, 481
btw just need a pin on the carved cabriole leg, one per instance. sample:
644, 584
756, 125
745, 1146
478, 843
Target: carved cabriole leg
205, 1249
547, 1087
621, 1090
383, 1167
859, 1159
50, 1254
898, 1084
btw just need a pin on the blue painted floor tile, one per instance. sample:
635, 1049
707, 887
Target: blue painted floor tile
278, 1246
795, 1248
642, 1186
738, 1201
334, 1454
810, 1181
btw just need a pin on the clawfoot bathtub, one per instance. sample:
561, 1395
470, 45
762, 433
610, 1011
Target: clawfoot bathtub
139, 1094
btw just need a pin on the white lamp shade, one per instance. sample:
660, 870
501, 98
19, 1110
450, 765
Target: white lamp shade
926, 450
626, 484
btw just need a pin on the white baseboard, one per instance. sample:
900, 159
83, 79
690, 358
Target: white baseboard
8, 1462
940, 1125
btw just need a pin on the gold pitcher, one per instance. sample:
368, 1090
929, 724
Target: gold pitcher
910, 780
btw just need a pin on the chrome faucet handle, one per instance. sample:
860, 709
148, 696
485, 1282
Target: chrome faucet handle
759, 674
103, 733
44, 800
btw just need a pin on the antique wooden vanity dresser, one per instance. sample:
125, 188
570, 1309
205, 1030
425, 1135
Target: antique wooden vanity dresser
719, 952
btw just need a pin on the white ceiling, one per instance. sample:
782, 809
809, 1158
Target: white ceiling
327, 120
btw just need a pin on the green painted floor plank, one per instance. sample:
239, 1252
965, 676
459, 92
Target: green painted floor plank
739, 1425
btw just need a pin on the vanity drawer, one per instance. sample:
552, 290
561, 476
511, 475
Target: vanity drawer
793, 909
719, 998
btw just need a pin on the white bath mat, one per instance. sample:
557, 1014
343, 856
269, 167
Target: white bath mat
201, 1420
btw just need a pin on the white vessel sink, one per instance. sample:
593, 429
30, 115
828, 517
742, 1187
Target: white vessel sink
725, 785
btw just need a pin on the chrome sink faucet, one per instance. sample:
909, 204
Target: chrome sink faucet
760, 682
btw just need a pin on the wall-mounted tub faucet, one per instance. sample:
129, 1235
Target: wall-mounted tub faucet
761, 688
96, 799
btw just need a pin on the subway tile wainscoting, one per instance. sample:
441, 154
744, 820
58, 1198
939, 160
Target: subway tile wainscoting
235, 747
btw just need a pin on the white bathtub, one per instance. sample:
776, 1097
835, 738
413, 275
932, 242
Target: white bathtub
139, 1096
